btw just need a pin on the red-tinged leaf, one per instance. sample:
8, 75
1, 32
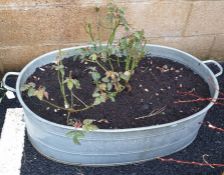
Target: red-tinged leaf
46, 95
103, 121
77, 124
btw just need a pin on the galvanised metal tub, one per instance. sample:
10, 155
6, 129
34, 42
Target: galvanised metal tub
107, 147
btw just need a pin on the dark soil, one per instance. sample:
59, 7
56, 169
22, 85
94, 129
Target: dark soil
207, 142
155, 85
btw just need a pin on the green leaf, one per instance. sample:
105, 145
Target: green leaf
58, 67
112, 96
31, 84
70, 84
93, 57
88, 121
90, 127
39, 94
112, 99
102, 98
97, 101
138, 35
103, 55
70, 133
62, 71
92, 68
93, 127
124, 77
76, 83
109, 86
24, 87
105, 79
31, 92
95, 94
95, 75
76, 136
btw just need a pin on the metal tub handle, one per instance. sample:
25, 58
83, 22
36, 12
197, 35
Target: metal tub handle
217, 64
4, 81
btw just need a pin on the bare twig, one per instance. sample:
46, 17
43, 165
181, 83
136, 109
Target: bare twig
79, 100
211, 126
189, 162
152, 113
206, 155
197, 98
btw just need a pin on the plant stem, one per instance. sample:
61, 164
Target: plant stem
189, 162
70, 110
62, 88
112, 35
101, 66
118, 62
90, 33
79, 100
111, 65
54, 105
72, 99
133, 65
68, 117
83, 109
127, 64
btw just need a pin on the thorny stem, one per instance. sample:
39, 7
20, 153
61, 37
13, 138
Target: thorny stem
127, 64
198, 98
110, 63
89, 31
205, 155
72, 99
62, 88
112, 35
68, 117
211, 126
111, 40
98, 27
189, 162
197, 163
71, 96
133, 65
